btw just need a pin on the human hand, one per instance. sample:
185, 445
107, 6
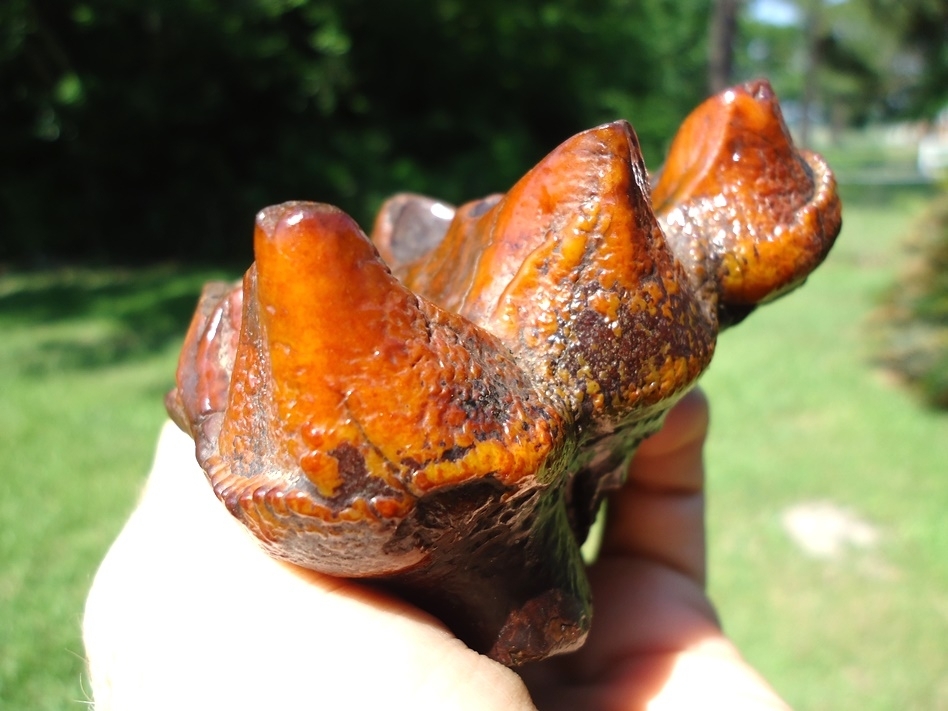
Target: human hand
188, 612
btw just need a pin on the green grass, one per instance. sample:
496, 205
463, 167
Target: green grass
800, 414
85, 359
866, 148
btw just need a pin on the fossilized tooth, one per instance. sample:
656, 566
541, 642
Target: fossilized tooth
571, 270
451, 428
747, 213
367, 432
410, 225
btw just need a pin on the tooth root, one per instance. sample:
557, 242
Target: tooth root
518, 595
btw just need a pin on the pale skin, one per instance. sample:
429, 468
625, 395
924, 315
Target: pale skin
187, 612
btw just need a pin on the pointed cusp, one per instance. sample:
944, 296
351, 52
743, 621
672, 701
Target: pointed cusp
748, 214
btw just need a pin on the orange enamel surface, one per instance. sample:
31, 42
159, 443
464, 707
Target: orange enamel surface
735, 188
571, 270
364, 378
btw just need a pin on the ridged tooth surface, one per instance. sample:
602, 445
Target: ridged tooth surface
745, 210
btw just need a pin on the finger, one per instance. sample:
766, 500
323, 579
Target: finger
710, 674
659, 513
686, 423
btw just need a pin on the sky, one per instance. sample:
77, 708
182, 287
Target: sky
780, 12
775, 12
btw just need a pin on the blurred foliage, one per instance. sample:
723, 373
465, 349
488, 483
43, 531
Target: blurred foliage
915, 314
143, 130
922, 28
878, 60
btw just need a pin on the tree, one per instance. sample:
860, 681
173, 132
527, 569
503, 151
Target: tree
865, 59
722, 37
157, 130
813, 37
922, 28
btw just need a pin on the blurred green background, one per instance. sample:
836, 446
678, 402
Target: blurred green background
137, 140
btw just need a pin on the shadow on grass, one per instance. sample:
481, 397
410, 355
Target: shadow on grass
77, 318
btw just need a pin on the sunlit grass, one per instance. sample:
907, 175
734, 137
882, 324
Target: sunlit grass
800, 415
85, 359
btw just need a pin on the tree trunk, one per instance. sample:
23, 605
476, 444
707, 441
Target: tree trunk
723, 32
813, 30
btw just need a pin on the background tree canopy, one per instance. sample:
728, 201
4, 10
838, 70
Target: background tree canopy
144, 130
136, 131
857, 61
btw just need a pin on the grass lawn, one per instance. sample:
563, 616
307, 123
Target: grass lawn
85, 359
800, 416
